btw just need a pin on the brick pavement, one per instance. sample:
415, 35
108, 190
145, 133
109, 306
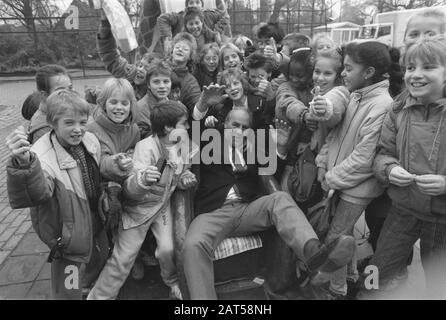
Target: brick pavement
22, 255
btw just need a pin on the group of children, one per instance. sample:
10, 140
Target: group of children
99, 175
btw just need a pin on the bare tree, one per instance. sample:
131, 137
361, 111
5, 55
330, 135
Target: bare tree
278, 5
24, 12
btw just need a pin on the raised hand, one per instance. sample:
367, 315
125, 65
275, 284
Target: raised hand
210, 122
213, 94
280, 134
167, 46
264, 89
319, 106
19, 146
270, 51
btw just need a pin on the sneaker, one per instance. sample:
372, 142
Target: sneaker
330, 258
138, 270
175, 292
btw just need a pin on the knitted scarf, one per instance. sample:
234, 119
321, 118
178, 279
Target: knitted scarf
90, 173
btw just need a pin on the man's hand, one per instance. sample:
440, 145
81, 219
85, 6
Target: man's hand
19, 146
400, 177
151, 175
280, 134
210, 122
431, 184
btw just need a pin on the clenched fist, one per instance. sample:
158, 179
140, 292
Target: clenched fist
19, 146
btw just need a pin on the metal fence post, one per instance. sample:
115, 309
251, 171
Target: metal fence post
81, 52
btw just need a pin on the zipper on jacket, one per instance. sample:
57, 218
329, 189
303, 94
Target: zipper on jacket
346, 132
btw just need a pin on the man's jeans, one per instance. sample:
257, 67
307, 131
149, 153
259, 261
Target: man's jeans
237, 219
400, 232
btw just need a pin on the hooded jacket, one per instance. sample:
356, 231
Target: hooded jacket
413, 136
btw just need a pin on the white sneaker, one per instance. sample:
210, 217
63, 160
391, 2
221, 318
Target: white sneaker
175, 292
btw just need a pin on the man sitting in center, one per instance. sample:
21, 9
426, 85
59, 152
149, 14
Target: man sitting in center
228, 203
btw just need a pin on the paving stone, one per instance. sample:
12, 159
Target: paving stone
18, 221
11, 217
45, 273
31, 244
7, 234
5, 213
41, 290
24, 227
3, 206
13, 241
3, 227
3, 255
15, 292
21, 269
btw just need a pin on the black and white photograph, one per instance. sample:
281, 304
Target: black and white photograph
245, 151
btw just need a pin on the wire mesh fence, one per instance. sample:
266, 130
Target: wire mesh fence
25, 45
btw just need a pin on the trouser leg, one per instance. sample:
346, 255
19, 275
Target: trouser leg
118, 266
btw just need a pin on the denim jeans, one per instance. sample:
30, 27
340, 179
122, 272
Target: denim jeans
344, 219
237, 219
400, 232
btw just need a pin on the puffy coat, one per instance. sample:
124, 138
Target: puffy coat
351, 146
142, 202
114, 138
414, 136
52, 185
